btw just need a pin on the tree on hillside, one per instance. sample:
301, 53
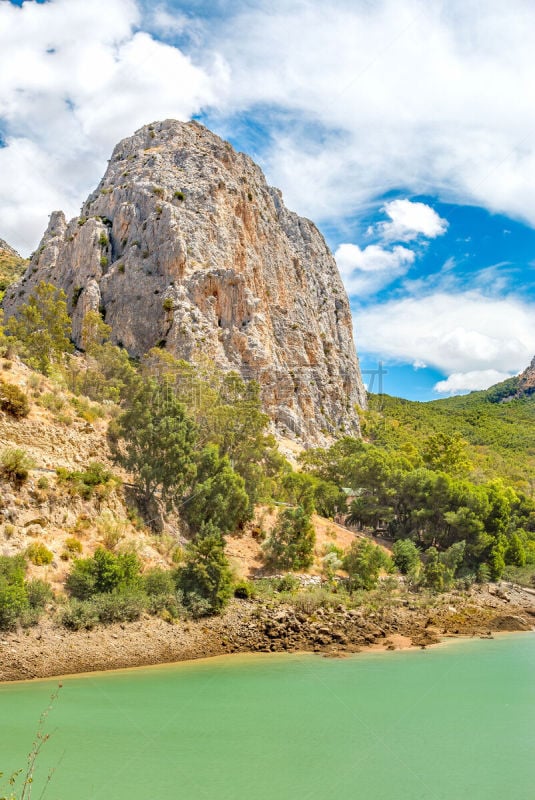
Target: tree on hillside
292, 540
205, 574
406, 556
43, 327
363, 563
95, 332
447, 453
155, 439
217, 494
107, 373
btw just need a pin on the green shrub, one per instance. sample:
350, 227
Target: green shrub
244, 590
179, 196
43, 482
96, 478
71, 547
288, 583
39, 593
13, 400
103, 240
198, 606
20, 601
15, 466
43, 327
39, 554
103, 573
13, 603
166, 606
363, 562
104, 261
159, 581
168, 304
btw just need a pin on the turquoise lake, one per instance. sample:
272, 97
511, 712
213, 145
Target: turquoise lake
456, 722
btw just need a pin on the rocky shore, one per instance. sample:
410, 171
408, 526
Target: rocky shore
47, 650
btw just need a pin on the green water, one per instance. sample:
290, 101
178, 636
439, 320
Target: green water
451, 723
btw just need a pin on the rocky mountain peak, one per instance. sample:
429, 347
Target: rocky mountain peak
183, 245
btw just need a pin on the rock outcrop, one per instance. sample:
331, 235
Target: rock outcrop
526, 381
183, 245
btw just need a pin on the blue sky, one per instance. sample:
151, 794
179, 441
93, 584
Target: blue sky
401, 127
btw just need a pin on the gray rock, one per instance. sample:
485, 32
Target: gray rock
183, 244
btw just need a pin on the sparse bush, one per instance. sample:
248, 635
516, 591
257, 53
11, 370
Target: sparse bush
179, 196
124, 606
13, 400
79, 614
51, 401
9, 530
71, 547
20, 601
111, 529
15, 466
43, 482
86, 410
39, 554
168, 304
310, 600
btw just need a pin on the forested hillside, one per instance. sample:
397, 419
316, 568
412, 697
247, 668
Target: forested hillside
498, 427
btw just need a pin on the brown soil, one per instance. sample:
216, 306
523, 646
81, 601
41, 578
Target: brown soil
48, 650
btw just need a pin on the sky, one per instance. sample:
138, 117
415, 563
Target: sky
404, 128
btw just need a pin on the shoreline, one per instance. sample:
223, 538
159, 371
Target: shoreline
264, 656
48, 651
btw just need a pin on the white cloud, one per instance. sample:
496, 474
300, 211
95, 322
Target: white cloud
77, 77
470, 381
410, 220
422, 95
369, 270
464, 332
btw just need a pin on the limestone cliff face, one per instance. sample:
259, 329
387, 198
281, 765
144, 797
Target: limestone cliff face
184, 245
